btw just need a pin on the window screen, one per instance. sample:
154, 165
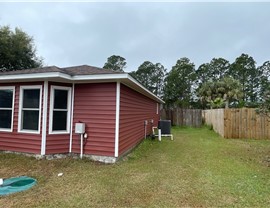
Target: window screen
30, 109
6, 105
60, 110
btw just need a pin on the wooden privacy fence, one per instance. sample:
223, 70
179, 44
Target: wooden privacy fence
183, 117
215, 118
238, 123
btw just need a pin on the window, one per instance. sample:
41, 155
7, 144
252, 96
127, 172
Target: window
6, 108
30, 109
60, 110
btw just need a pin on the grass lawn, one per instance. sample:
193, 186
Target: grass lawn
197, 169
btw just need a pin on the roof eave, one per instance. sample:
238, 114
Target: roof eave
99, 77
34, 76
123, 78
140, 86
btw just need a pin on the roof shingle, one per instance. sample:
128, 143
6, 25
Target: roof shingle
72, 71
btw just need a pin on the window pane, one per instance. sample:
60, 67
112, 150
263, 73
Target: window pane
5, 119
31, 98
6, 97
30, 120
60, 99
59, 120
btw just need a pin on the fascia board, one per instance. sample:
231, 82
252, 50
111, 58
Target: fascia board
35, 76
99, 77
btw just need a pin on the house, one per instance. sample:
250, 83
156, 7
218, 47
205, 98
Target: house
40, 107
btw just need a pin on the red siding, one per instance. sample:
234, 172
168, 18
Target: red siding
56, 143
20, 142
135, 108
94, 105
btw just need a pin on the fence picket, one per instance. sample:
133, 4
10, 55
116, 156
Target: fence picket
229, 123
183, 117
238, 123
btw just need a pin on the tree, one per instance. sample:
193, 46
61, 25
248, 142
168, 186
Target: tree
221, 93
145, 70
179, 83
219, 67
264, 108
207, 94
133, 74
159, 78
244, 70
203, 74
151, 76
17, 50
116, 63
213, 71
264, 71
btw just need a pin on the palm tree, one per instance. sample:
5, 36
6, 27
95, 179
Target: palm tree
221, 92
232, 90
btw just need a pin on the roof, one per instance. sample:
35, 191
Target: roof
74, 70
30, 71
76, 74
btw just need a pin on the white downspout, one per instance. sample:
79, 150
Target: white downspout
71, 118
81, 146
44, 118
116, 146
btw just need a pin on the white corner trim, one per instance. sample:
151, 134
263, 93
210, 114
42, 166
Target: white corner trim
117, 116
22, 87
44, 118
71, 118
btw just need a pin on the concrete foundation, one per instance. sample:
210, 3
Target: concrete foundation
103, 159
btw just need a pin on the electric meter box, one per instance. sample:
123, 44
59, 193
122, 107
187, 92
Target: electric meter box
79, 128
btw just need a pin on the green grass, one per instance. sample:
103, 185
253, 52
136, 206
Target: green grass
197, 169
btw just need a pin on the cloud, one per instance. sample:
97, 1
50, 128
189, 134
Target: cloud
87, 33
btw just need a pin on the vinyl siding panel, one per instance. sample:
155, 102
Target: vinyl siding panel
135, 108
56, 143
95, 105
21, 142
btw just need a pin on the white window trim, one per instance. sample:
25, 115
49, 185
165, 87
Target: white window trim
12, 110
30, 87
53, 87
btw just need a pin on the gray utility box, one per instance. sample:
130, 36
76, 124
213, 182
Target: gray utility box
165, 126
79, 128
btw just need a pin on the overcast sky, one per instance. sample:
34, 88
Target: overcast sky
68, 34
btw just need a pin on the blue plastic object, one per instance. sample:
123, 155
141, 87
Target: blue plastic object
17, 184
